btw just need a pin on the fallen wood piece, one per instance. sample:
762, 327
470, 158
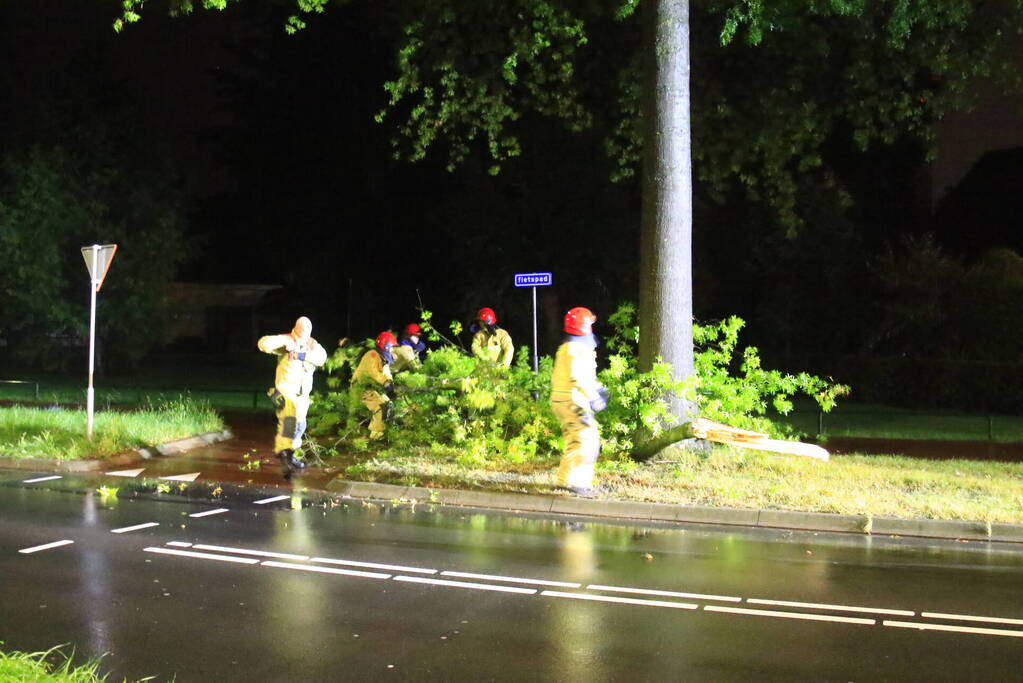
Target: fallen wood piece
709, 430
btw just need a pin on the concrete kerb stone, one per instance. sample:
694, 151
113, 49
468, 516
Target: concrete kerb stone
707, 515
813, 521
73, 466
938, 528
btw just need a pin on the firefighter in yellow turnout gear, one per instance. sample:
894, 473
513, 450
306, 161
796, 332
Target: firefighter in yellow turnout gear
298, 356
373, 383
575, 396
490, 342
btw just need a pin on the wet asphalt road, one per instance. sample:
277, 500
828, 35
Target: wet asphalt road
384, 592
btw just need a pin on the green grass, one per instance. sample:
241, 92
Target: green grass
51, 666
883, 422
857, 484
60, 434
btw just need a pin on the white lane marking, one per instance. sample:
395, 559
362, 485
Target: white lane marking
125, 473
202, 556
836, 608
623, 601
271, 500
325, 570
38, 479
374, 565
207, 513
126, 529
787, 615
191, 476
511, 579
956, 629
968, 617
46, 546
179, 544
466, 584
245, 551
669, 594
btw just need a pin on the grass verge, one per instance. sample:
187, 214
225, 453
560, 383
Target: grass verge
60, 434
51, 666
881, 486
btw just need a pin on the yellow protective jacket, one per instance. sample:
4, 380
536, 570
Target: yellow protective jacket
575, 374
405, 358
496, 347
294, 374
372, 372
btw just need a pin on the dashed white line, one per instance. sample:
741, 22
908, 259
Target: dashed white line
270, 500
374, 565
835, 608
202, 556
126, 529
511, 579
245, 551
955, 629
968, 617
622, 601
38, 479
179, 544
787, 615
207, 513
667, 594
325, 570
45, 546
466, 584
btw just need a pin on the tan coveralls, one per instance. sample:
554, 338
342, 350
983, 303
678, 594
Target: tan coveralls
573, 385
294, 381
496, 347
369, 380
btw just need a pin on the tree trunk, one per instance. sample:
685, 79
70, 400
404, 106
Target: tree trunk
666, 282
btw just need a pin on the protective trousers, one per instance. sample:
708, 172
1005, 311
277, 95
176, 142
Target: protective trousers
375, 402
582, 444
291, 417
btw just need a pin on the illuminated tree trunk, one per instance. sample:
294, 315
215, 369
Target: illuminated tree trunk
666, 275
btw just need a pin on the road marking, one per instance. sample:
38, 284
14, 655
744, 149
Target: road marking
374, 565
202, 556
787, 615
466, 584
271, 500
126, 473
956, 629
325, 570
836, 608
511, 579
967, 617
191, 476
126, 529
38, 479
207, 513
179, 544
670, 594
244, 551
47, 546
622, 601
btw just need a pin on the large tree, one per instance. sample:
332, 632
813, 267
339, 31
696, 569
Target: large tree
777, 88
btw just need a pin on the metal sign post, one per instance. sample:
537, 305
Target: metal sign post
534, 280
97, 260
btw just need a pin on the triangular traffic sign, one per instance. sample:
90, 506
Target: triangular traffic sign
104, 256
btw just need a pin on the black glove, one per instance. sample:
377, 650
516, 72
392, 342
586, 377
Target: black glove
390, 391
276, 397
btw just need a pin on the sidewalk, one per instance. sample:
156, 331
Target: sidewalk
231, 462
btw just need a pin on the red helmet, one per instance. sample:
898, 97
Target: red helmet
385, 339
413, 329
487, 315
579, 321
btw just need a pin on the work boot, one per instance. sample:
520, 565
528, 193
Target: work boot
581, 491
285, 458
295, 462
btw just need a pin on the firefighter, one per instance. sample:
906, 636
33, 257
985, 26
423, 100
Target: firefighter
298, 356
575, 396
410, 347
374, 384
490, 342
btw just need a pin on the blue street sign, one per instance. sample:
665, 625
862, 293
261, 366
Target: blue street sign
533, 279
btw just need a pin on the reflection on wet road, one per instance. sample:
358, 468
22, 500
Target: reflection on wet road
299, 588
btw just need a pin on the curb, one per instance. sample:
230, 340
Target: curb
82, 466
864, 525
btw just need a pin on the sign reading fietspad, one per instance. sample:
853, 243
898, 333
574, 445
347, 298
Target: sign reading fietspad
533, 279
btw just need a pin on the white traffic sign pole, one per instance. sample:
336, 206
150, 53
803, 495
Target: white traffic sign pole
89, 394
536, 362
534, 280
